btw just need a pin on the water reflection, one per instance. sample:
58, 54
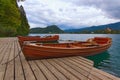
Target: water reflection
99, 58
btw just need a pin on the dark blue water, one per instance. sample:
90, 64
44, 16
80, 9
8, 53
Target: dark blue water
109, 60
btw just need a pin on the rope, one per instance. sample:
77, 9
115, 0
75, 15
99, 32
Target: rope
15, 56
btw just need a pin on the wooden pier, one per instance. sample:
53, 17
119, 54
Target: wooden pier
68, 68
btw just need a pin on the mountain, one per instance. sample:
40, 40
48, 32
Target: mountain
112, 26
48, 29
13, 20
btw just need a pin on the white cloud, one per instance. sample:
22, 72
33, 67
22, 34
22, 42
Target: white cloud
41, 13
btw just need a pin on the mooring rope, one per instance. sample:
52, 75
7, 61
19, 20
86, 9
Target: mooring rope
16, 55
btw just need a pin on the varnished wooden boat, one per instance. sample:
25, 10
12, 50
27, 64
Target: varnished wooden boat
38, 38
83, 48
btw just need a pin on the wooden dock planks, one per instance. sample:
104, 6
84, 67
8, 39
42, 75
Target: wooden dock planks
67, 68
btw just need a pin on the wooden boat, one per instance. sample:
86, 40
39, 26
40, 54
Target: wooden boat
38, 38
82, 48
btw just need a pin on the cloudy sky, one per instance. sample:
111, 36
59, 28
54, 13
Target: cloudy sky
71, 13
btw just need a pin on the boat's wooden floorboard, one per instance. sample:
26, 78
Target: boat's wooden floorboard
68, 68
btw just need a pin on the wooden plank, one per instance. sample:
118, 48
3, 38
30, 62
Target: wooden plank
62, 70
10, 66
73, 66
84, 60
2, 67
1, 46
38, 73
71, 70
5, 59
45, 71
2, 71
28, 73
81, 62
97, 76
19, 75
3, 49
106, 74
102, 75
1, 75
54, 70
81, 68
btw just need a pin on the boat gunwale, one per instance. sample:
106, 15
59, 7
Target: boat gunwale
65, 48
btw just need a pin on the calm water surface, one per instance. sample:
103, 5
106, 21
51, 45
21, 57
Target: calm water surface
109, 60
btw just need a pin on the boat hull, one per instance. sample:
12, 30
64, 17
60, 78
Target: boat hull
40, 52
53, 38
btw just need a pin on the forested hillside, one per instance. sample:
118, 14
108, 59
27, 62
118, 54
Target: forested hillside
48, 29
13, 20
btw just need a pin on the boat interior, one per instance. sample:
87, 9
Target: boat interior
69, 45
97, 41
101, 40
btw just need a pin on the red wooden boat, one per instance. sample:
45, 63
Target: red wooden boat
82, 48
38, 38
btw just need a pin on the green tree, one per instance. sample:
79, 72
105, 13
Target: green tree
12, 22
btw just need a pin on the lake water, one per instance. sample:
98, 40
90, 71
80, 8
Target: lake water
109, 60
